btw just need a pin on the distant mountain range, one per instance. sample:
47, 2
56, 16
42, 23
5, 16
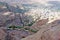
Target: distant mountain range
16, 1
54, 5
15, 6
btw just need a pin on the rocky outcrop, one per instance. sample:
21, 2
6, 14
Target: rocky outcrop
36, 25
2, 34
18, 34
9, 34
49, 31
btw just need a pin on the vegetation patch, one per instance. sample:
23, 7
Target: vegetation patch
13, 27
31, 30
20, 27
31, 23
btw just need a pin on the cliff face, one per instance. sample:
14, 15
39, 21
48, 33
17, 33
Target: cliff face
49, 31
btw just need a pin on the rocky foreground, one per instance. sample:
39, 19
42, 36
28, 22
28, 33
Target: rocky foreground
9, 34
17, 34
49, 31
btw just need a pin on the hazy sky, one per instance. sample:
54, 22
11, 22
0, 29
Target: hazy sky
29, 1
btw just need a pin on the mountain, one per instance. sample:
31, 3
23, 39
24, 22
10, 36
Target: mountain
16, 1
32, 10
26, 1
54, 5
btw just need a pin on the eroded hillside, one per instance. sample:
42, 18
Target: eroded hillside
49, 31
29, 20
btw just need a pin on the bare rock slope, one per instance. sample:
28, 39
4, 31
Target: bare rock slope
6, 34
36, 25
2, 34
49, 31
